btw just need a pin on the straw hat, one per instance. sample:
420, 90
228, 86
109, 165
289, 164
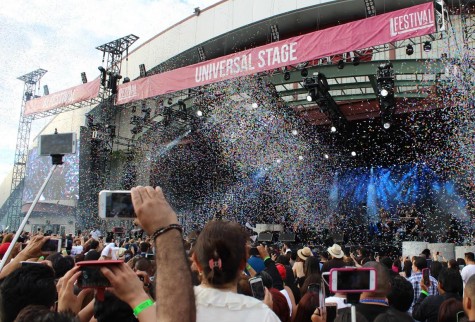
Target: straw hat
304, 253
335, 251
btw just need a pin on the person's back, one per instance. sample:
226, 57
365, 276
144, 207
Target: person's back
112, 309
220, 255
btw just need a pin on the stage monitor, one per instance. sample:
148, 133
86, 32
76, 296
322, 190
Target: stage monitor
264, 237
51, 144
287, 237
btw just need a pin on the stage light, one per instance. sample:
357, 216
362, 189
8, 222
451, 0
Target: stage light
170, 101
255, 105
384, 92
45, 90
126, 80
197, 11
341, 64
326, 156
353, 153
300, 157
387, 125
274, 33
409, 50
286, 75
370, 8
143, 71
427, 46
103, 75
295, 132
84, 78
311, 96
304, 72
356, 60
333, 129
199, 113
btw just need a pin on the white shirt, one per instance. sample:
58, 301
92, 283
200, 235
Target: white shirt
467, 271
287, 297
215, 305
110, 251
340, 302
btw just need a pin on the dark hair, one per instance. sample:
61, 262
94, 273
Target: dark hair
451, 281
407, 268
40, 313
363, 251
223, 243
461, 261
420, 262
94, 244
61, 265
266, 279
382, 280
435, 269
144, 247
386, 261
280, 305
402, 293
282, 259
307, 305
243, 286
345, 316
426, 253
311, 266
31, 284
452, 264
393, 316
92, 255
448, 310
143, 264
112, 309
469, 256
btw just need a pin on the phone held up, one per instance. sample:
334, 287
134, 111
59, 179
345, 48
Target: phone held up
116, 204
426, 276
52, 246
352, 280
257, 288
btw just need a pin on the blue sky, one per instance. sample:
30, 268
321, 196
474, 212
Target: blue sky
61, 37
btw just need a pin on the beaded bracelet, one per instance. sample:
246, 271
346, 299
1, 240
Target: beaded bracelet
162, 230
142, 306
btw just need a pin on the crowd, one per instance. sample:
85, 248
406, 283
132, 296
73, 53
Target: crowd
210, 275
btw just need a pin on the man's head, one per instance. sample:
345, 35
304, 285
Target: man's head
402, 293
450, 281
28, 285
419, 263
469, 298
144, 247
112, 309
383, 284
469, 257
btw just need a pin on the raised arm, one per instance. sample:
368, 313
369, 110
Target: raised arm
158, 220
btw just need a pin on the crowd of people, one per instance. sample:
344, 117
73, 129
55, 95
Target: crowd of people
215, 274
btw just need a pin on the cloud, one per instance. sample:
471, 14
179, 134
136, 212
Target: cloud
61, 37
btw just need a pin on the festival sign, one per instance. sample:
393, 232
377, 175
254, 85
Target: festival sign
378, 30
63, 98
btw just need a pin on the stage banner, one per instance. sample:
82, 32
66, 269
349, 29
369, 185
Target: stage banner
378, 30
63, 98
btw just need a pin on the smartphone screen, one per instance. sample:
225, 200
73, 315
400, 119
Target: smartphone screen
52, 246
425, 276
92, 277
330, 308
116, 204
352, 280
257, 287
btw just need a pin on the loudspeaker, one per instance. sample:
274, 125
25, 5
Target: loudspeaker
264, 237
287, 237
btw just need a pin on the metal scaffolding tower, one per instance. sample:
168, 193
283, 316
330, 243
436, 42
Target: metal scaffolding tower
21, 150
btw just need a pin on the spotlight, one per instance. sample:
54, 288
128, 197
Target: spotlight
384, 92
143, 71
254, 105
387, 125
84, 78
326, 156
295, 132
353, 153
356, 60
286, 75
199, 113
311, 96
197, 11
300, 157
126, 80
341, 64
333, 129
427, 46
409, 50
304, 72
170, 101
45, 90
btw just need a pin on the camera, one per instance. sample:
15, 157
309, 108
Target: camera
116, 204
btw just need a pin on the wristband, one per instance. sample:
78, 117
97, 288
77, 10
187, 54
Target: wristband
266, 258
142, 306
248, 267
424, 292
163, 230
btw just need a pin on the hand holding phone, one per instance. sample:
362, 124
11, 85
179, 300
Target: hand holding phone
52, 245
116, 204
426, 276
352, 280
257, 288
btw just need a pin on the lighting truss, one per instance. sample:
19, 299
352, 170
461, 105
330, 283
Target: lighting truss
370, 8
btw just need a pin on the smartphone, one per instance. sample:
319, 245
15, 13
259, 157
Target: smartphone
52, 246
352, 280
330, 309
257, 287
116, 204
150, 256
25, 263
425, 276
92, 276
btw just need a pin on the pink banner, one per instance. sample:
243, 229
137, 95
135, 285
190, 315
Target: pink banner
63, 98
382, 29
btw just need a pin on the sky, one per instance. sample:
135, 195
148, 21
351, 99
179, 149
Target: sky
61, 37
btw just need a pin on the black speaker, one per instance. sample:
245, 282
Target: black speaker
287, 237
264, 237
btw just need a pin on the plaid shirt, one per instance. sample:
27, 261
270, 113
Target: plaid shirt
415, 280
